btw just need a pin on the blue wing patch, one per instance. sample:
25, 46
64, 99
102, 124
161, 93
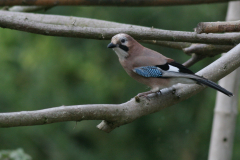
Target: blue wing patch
148, 71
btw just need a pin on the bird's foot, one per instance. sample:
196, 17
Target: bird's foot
144, 94
148, 95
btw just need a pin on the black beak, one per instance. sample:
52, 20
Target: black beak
111, 45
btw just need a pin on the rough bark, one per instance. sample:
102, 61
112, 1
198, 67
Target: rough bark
225, 112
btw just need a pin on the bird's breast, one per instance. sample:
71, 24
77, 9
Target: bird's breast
126, 66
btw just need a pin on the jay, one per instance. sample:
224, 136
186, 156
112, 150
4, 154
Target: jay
152, 68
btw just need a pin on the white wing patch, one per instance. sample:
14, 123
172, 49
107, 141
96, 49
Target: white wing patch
173, 69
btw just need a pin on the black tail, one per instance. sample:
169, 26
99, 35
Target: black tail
213, 85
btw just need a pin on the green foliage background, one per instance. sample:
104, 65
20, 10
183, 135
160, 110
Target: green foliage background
38, 72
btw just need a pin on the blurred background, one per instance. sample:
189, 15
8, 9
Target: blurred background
38, 72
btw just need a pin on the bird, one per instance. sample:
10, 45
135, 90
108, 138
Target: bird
154, 69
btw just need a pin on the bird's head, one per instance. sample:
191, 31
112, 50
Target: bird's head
121, 44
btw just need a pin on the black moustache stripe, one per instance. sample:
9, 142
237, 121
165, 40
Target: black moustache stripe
125, 48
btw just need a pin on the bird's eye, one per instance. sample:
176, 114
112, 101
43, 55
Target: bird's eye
123, 40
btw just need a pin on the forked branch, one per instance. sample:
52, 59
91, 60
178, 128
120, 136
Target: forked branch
194, 59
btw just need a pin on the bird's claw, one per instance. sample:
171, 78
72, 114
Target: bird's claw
146, 94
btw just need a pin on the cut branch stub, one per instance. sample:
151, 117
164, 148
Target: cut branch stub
218, 27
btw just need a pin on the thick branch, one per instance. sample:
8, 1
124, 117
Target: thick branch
20, 22
218, 27
86, 22
226, 109
68, 20
117, 115
107, 2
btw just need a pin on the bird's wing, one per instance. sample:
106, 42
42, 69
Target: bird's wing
169, 69
148, 71
163, 71
140, 61
152, 58
157, 72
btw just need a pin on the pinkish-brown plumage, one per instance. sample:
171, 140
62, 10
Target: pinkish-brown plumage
152, 68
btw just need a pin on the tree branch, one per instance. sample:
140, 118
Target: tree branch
194, 59
107, 2
196, 48
226, 109
117, 115
175, 45
207, 50
17, 21
218, 27
188, 48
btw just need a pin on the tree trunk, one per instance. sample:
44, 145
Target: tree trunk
226, 108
